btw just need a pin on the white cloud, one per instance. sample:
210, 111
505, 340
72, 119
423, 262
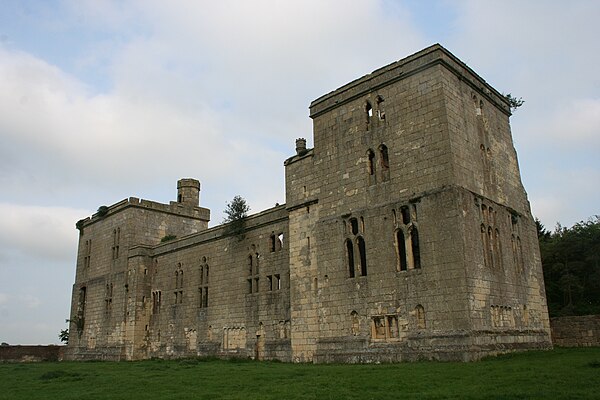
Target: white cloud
3, 299
47, 233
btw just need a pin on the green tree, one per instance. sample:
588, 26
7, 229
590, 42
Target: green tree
513, 101
235, 215
571, 263
64, 336
236, 210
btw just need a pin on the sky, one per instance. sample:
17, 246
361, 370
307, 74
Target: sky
103, 100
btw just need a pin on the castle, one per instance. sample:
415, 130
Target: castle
406, 235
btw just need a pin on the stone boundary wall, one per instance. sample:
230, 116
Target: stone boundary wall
576, 331
31, 353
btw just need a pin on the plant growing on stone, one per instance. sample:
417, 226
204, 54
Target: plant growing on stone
235, 214
513, 101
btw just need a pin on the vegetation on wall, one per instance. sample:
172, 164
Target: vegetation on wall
102, 211
235, 214
513, 101
168, 238
571, 263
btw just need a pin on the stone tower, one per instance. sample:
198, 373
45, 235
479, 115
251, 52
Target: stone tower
413, 233
188, 192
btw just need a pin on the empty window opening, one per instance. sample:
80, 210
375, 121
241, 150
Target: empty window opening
380, 109
354, 226
272, 242
370, 162
355, 328
277, 281
490, 240
405, 215
350, 257
250, 285
392, 326
383, 152
363, 255
368, 112
416, 252
279, 241
401, 250
250, 262
270, 282
156, 297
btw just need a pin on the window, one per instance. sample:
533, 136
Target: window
380, 109
401, 250
253, 272
363, 255
368, 113
371, 163
350, 257
116, 243
385, 162
203, 288
156, 299
408, 251
354, 243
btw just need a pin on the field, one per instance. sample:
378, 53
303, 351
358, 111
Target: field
561, 373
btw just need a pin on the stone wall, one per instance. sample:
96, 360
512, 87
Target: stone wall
30, 353
576, 331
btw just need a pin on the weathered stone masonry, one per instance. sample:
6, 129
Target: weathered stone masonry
406, 234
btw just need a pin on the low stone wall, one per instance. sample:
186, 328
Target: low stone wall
576, 331
30, 353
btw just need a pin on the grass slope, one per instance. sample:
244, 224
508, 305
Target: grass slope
561, 373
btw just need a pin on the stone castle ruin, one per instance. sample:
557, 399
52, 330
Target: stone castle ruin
406, 235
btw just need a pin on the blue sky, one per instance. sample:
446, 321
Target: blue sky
102, 100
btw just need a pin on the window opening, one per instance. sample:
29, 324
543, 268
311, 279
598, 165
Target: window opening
350, 257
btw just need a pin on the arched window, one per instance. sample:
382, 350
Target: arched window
401, 250
484, 245
383, 152
370, 162
380, 110
368, 113
354, 226
385, 162
350, 257
363, 255
490, 246
416, 252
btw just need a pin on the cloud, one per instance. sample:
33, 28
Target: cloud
3, 299
47, 233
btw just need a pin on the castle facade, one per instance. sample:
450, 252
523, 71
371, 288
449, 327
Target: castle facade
406, 234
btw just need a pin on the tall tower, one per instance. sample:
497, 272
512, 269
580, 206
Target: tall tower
413, 236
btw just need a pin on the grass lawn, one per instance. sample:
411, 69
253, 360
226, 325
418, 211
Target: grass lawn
561, 373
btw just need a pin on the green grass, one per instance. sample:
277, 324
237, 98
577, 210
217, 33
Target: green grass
561, 373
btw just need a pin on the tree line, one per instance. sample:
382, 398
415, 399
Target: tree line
571, 264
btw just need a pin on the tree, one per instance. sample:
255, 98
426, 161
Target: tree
513, 101
571, 263
236, 212
64, 335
